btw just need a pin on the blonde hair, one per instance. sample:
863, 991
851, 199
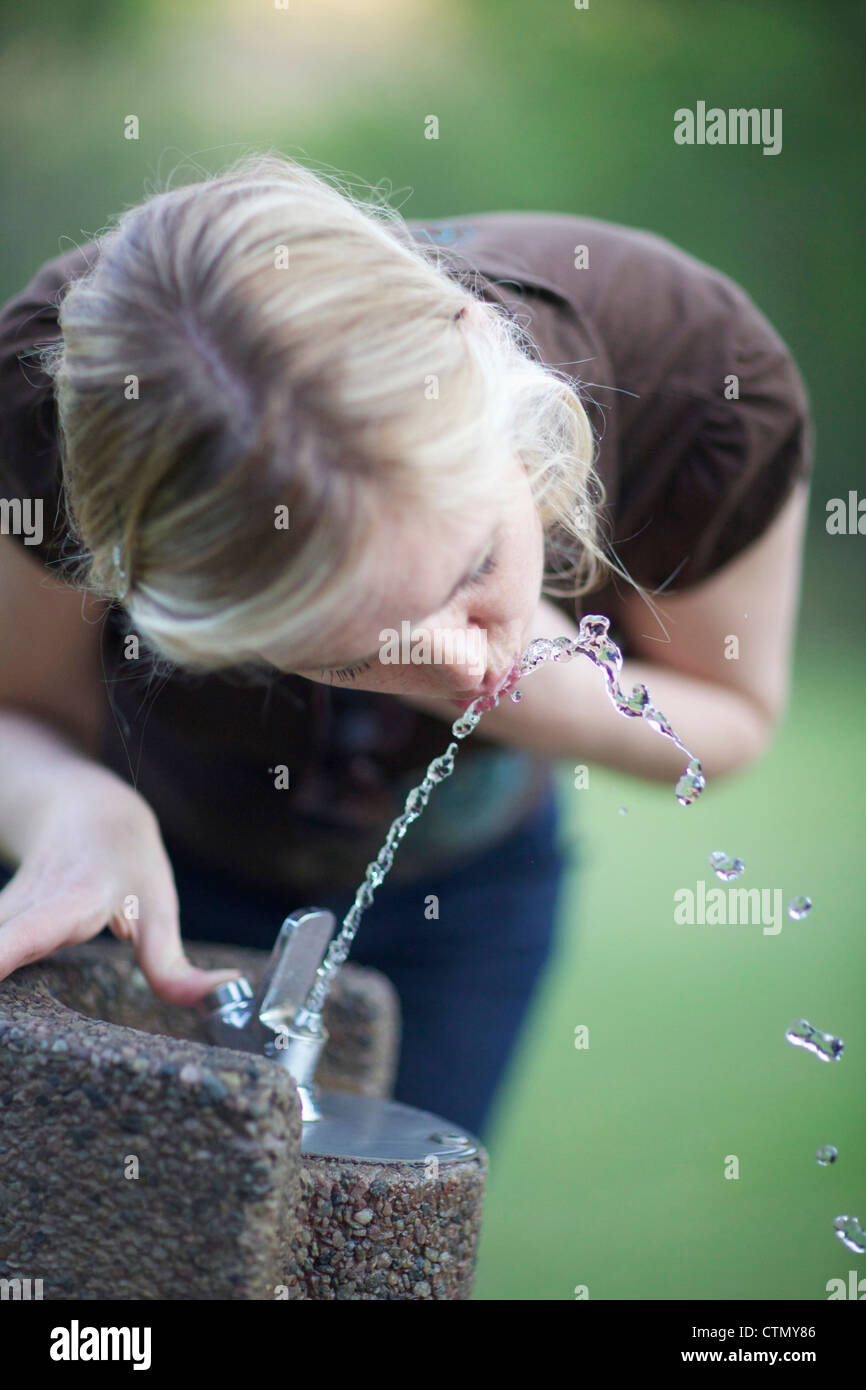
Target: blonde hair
264, 347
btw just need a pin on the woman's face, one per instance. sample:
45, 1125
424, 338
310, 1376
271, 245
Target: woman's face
449, 607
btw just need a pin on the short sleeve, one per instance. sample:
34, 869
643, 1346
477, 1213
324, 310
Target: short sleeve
700, 412
31, 480
707, 464
746, 459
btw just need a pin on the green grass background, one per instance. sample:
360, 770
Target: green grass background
607, 1164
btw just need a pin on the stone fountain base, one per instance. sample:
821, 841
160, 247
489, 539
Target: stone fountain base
139, 1162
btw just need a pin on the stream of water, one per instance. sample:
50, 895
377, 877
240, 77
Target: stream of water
595, 644
592, 642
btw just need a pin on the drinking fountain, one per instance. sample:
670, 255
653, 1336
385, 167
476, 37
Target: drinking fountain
150, 1151
275, 1022
418, 1160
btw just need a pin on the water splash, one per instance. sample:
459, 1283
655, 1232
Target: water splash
799, 907
691, 784
851, 1233
824, 1045
827, 1154
592, 642
724, 867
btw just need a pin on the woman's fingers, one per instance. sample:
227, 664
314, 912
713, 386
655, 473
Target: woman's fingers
38, 929
168, 972
33, 930
161, 957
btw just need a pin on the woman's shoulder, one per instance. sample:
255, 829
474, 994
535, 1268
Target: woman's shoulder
702, 415
559, 250
29, 321
659, 309
29, 460
42, 292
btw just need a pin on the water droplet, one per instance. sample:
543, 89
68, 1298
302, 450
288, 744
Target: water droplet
516, 696
691, 784
656, 720
799, 907
851, 1233
416, 801
444, 764
823, 1045
594, 625
724, 866
623, 811
463, 726
610, 656
826, 1154
536, 654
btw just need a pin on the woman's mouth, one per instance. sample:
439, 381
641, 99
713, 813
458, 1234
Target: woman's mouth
512, 678
491, 689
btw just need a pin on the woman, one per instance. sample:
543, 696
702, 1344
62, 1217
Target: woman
289, 426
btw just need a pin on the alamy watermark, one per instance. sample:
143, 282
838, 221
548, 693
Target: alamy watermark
77, 1343
757, 907
855, 1288
441, 646
22, 516
846, 518
739, 125
20, 1289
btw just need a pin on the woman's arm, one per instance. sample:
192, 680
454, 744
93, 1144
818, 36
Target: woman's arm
724, 708
83, 843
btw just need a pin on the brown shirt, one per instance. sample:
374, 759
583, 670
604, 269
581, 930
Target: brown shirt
652, 337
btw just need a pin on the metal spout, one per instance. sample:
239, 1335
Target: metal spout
274, 1022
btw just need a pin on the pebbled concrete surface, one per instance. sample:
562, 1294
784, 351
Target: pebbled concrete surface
139, 1162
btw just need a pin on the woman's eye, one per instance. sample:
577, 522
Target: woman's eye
347, 673
486, 567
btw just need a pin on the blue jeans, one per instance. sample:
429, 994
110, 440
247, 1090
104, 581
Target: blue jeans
465, 979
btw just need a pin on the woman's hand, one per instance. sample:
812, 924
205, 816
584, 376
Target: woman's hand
94, 858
